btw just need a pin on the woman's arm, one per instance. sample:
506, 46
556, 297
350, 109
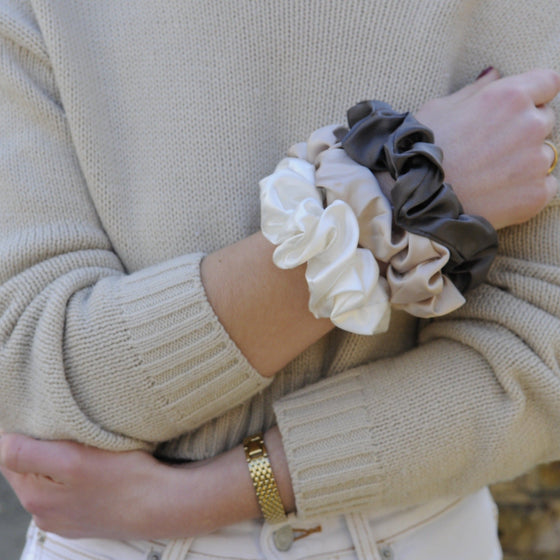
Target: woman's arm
261, 308
164, 363
441, 409
116, 359
478, 400
54, 480
479, 127
375, 451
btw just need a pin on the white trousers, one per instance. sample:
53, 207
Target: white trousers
464, 529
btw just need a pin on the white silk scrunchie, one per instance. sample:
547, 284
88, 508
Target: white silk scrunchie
343, 279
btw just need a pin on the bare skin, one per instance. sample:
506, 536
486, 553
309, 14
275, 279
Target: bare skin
498, 171
492, 133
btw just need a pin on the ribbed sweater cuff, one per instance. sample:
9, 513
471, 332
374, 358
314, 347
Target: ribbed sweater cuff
325, 431
193, 368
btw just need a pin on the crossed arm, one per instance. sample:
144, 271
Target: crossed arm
54, 480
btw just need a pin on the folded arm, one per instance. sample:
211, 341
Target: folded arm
94, 352
72, 300
442, 419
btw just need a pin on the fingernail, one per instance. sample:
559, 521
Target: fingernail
484, 72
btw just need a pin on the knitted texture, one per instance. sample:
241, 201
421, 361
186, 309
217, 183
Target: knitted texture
132, 142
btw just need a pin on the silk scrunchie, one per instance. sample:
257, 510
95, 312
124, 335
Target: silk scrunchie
414, 263
384, 140
343, 279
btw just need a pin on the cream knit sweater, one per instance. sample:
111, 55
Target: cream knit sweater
132, 139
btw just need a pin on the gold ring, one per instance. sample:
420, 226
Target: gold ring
555, 161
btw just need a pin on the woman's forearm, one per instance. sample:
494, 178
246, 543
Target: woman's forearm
130, 494
239, 281
263, 308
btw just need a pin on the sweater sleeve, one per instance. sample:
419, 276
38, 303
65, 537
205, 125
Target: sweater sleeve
87, 351
478, 400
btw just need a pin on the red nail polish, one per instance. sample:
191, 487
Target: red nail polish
484, 72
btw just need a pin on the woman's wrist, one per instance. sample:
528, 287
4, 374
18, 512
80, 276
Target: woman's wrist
279, 463
202, 497
264, 309
222, 491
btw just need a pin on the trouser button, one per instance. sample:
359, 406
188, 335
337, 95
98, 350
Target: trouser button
283, 538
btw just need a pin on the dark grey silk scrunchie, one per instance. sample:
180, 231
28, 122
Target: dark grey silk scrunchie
384, 140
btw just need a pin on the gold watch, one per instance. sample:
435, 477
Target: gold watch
263, 479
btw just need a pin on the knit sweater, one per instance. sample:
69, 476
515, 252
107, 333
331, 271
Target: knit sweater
132, 140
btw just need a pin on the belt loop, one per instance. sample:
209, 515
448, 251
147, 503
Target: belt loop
177, 549
362, 536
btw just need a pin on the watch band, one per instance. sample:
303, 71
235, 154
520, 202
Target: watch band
263, 479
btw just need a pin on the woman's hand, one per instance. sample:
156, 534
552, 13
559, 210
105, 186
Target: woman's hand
78, 491
492, 134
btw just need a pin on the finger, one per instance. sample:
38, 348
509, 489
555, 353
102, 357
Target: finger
22, 454
27, 485
9, 475
547, 117
541, 85
488, 75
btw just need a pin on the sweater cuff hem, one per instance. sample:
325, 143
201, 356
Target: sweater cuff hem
191, 366
325, 429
